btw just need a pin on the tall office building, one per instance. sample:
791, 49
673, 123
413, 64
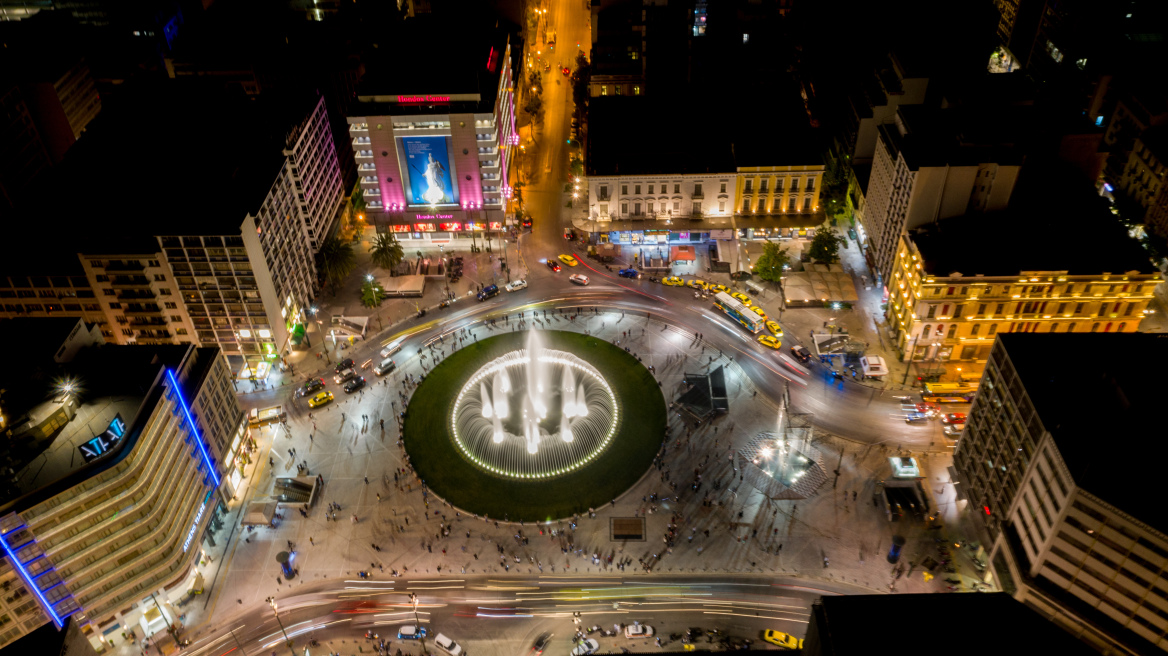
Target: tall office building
434, 143
116, 481
1073, 533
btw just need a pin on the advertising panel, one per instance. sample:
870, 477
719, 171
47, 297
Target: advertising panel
450, 227
427, 163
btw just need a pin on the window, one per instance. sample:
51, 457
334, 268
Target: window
650, 188
637, 208
1128, 311
1071, 327
981, 308
697, 189
745, 205
761, 205
158, 277
676, 188
778, 185
175, 318
616, 90
958, 311
949, 291
932, 312
107, 292
1062, 308
164, 292
749, 186
723, 189
636, 189
697, 207
940, 329
721, 206
636, 88
791, 205
762, 187
975, 329
1054, 327
604, 209
1095, 327
1001, 307
604, 191
171, 306
650, 207
807, 204
993, 328
952, 331
115, 306
1078, 308
676, 206
604, 89
927, 331
624, 190
1122, 326
624, 208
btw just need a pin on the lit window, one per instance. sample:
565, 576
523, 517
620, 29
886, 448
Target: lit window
265, 334
245, 333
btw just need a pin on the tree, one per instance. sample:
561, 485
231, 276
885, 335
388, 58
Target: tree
336, 261
371, 293
357, 198
769, 266
833, 196
386, 251
825, 246
581, 78
533, 106
535, 82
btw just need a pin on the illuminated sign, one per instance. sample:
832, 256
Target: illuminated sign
424, 227
476, 226
450, 227
194, 431
401, 228
435, 217
495, 225
194, 527
423, 99
428, 169
102, 444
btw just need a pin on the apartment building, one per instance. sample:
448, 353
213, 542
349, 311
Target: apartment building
926, 169
899, 79
138, 297
1073, 536
1143, 177
434, 153
778, 201
958, 284
313, 170
117, 486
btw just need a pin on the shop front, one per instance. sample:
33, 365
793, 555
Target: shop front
783, 227
442, 228
654, 237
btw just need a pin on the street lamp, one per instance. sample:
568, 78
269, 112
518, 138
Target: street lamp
272, 602
418, 623
320, 327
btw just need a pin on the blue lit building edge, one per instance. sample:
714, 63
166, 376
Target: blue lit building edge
194, 431
30, 582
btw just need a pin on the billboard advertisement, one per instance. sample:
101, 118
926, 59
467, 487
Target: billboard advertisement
431, 178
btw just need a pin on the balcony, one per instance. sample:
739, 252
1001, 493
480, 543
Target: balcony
361, 141
367, 166
132, 265
142, 311
364, 154
359, 127
121, 282
132, 294
697, 195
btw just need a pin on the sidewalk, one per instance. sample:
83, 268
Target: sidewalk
349, 451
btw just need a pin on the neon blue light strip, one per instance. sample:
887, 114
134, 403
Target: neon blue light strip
30, 583
195, 431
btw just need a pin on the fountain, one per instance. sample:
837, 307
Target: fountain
534, 413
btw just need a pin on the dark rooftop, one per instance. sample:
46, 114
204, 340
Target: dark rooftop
866, 624
438, 55
957, 137
194, 159
1045, 223
1085, 391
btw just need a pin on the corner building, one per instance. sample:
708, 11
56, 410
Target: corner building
1072, 532
434, 151
110, 531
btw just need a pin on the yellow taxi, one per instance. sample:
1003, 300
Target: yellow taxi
771, 342
698, 284
782, 639
569, 260
775, 328
719, 289
743, 297
672, 281
757, 310
320, 399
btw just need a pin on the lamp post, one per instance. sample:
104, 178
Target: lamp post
909, 352
418, 623
316, 317
272, 602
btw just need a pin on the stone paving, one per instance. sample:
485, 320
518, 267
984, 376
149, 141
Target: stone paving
746, 532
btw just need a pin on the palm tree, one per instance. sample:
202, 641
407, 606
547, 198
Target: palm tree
387, 251
371, 294
337, 261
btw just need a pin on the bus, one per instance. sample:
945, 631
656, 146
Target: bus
949, 392
739, 312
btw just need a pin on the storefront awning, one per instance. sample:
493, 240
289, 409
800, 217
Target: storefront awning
779, 221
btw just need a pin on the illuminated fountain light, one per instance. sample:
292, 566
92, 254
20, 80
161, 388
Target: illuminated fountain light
560, 416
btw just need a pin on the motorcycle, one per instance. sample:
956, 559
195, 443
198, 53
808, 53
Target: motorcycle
421, 313
444, 304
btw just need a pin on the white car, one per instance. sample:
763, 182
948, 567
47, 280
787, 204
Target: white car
578, 279
447, 645
585, 648
516, 285
638, 631
954, 430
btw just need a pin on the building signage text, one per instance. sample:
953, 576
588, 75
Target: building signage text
104, 443
435, 217
423, 99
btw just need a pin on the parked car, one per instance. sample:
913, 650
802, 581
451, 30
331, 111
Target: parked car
719, 289
490, 291
447, 645
782, 639
311, 385
354, 385
775, 328
698, 284
411, 632
742, 297
578, 279
673, 281
629, 273
587, 647
639, 631
347, 363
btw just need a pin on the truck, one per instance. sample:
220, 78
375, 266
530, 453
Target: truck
264, 416
551, 37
